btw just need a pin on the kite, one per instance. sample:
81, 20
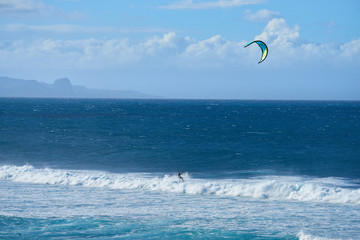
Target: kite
263, 47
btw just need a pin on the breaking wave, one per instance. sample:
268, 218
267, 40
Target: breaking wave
329, 190
303, 236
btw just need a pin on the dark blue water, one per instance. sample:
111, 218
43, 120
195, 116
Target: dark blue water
214, 137
100, 169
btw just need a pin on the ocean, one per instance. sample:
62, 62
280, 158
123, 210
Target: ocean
107, 169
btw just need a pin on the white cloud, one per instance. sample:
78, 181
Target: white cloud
261, 15
286, 48
215, 51
278, 32
23, 6
351, 49
212, 46
157, 44
190, 4
16, 8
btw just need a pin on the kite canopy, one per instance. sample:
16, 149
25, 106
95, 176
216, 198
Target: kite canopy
263, 47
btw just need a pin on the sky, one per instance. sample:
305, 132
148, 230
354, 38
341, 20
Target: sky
191, 49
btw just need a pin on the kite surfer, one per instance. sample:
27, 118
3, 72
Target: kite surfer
180, 177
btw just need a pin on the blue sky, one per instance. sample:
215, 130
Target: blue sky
187, 48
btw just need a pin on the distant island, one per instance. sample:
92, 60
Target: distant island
61, 88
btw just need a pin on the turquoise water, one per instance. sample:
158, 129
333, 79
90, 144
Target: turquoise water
108, 169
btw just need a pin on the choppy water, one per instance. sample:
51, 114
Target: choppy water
108, 169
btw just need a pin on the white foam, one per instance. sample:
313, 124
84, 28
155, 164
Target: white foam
303, 236
330, 190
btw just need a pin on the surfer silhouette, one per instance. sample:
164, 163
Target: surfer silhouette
180, 177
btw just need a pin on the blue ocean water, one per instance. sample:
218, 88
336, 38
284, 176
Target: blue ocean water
85, 168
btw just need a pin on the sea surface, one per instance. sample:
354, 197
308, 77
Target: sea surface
107, 169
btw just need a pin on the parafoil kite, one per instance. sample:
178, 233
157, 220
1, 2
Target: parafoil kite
263, 47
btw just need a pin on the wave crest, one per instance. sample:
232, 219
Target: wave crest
331, 190
303, 236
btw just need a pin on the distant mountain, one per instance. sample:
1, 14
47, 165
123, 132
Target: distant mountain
61, 88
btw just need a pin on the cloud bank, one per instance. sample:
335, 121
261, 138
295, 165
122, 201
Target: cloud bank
171, 49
